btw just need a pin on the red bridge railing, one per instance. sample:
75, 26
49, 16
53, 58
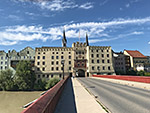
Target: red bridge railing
47, 102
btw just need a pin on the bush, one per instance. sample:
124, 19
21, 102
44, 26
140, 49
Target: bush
147, 73
52, 82
40, 84
140, 73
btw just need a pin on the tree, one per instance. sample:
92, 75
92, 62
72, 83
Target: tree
6, 80
52, 82
25, 77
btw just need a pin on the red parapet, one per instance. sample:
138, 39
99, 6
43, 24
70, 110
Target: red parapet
128, 78
47, 102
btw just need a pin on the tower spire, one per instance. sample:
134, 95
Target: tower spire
87, 42
64, 40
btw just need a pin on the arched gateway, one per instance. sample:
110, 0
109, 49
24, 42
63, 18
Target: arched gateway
81, 73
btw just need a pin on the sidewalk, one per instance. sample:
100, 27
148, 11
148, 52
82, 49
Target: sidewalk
145, 86
76, 99
85, 103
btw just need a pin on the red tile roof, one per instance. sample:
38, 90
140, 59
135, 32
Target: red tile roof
135, 54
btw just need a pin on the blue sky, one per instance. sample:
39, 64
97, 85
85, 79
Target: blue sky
122, 24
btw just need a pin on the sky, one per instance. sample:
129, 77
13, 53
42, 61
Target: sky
121, 24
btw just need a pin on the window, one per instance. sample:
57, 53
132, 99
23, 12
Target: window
43, 69
91, 50
52, 57
38, 57
52, 76
107, 55
43, 63
103, 67
43, 52
52, 68
97, 55
38, 63
82, 52
59, 75
98, 68
56, 52
43, 57
47, 76
69, 57
79, 52
2, 58
92, 55
92, 61
62, 57
53, 52
96, 50
38, 69
108, 67
1, 67
57, 68
1, 62
57, 57
103, 61
69, 52
102, 55
69, 68
92, 67
107, 50
38, 52
57, 62
52, 62
76, 52
97, 61
38, 76
27, 52
43, 76
69, 62
108, 61
61, 68
102, 50
62, 52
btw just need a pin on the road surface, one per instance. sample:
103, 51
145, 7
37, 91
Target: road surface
118, 98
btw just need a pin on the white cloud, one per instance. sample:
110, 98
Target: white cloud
148, 42
14, 34
58, 5
104, 2
87, 5
127, 5
14, 17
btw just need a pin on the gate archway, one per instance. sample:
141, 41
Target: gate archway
81, 73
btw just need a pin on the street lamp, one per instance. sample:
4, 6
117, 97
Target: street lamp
63, 62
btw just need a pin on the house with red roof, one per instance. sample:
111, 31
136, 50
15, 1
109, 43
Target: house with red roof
137, 59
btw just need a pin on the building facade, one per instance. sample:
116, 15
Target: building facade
80, 60
10, 59
137, 60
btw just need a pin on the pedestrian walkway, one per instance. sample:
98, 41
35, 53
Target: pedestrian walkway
76, 99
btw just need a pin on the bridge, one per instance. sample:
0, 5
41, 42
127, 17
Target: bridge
97, 94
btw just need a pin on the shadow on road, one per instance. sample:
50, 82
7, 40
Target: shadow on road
66, 103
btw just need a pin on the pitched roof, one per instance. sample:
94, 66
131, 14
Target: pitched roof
135, 54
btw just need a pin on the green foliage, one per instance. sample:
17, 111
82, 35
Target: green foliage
52, 82
120, 73
25, 77
40, 84
131, 72
6, 80
147, 74
140, 73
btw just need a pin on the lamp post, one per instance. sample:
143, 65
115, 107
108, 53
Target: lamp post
63, 62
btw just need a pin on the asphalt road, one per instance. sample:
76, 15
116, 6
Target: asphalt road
118, 98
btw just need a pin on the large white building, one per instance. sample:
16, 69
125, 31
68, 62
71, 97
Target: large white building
80, 60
